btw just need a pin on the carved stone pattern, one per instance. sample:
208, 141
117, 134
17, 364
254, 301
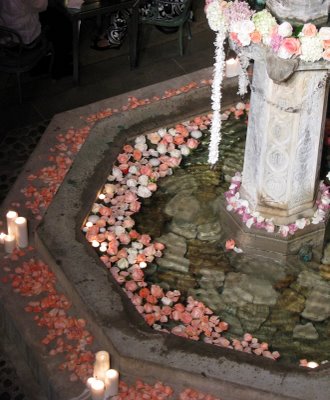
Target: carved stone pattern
275, 180
307, 155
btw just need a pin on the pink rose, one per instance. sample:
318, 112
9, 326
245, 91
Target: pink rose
192, 143
326, 54
291, 46
309, 30
131, 286
145, 239
123, 158
157, 291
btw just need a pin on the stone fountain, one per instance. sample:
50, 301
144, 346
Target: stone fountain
289, 161
284, 141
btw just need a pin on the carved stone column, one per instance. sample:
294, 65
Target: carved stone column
284, 143
300, 11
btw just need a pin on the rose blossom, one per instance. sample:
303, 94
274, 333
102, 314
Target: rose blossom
324, 33
285, 29
289, 47
309, 30
191, 143
255, 37
326, 54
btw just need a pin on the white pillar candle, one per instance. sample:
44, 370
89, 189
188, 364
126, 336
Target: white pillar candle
2, 238
11, 216
97, 389
232, 67
10, 243
22, 236
101, 365
111, 383
89, 382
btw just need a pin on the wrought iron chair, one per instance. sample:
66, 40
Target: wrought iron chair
16, 57
153, 16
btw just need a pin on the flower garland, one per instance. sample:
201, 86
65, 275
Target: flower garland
244, 27
241, 207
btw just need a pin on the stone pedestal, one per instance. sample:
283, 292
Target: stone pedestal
284, 143
299, 12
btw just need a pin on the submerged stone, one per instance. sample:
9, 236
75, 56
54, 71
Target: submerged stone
292, 301
306, 331
318, 304
252, 316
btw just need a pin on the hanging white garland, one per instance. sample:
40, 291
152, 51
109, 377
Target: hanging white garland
216, 97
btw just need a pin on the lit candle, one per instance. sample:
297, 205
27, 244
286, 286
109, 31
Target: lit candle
89, 382
2, 238
312, 364
89, 224
97, 389
101, 365
10, 243
22, 237
102, 196
111, 383
143, 264
11, 216
232, 67
95, 243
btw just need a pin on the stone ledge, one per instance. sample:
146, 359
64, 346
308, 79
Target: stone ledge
136, 349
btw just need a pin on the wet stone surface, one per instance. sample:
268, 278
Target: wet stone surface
10, 387
285, 305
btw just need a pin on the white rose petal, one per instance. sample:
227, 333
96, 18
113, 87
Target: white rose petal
247, 26
133, 170
141, 146
172, 131
119, 230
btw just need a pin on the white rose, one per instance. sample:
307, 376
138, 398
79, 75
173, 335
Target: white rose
122, 263
133, 170
247, 26
244, 38
185, 151
143, 180
154, 162
240, 106
131, 183
109, 188
153, 153
324, 33
175, 153
143, 192
285, 29
141, 146
235, 26
161, 148
196, 134
119, 230
172, 131
161, 132
140, 139
93, 218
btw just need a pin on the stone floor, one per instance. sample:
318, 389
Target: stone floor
103, 75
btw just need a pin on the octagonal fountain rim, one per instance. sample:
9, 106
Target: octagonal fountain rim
135, 347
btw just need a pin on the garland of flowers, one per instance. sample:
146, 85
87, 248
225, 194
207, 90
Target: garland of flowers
245, 27
241, 208
216, 98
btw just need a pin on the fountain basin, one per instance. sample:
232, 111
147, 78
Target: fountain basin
136, 349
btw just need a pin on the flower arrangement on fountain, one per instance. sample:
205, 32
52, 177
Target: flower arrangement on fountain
254, 219
244, 27
126, 252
